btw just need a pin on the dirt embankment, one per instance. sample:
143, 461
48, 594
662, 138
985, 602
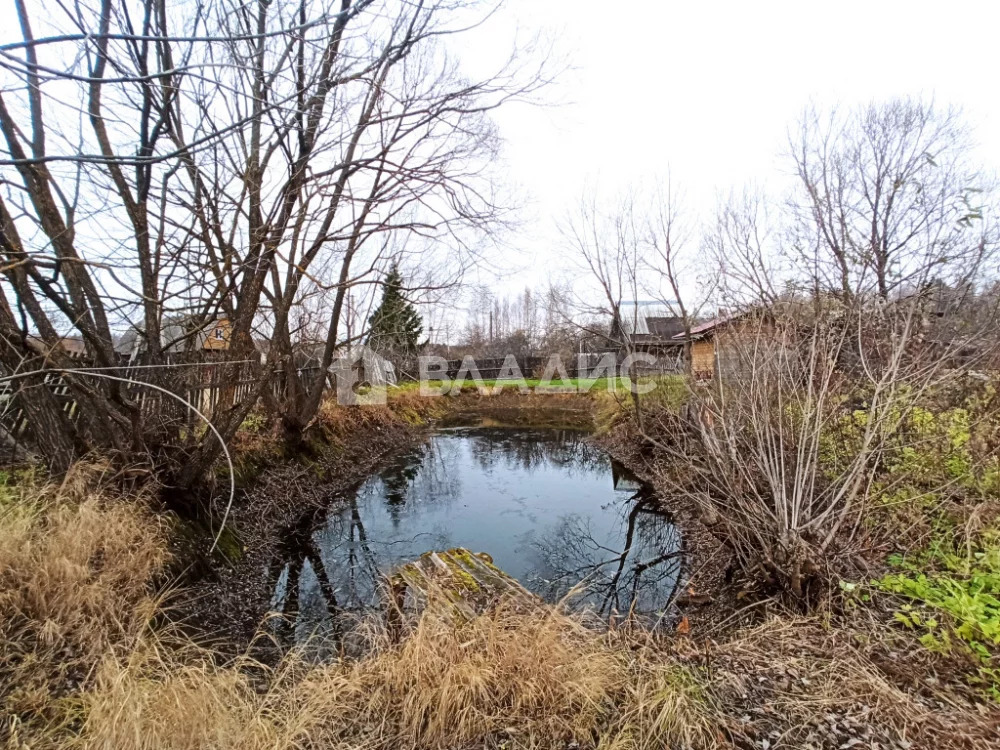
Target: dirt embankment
229, 600
510, 408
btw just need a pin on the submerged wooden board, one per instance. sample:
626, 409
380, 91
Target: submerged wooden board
464, 582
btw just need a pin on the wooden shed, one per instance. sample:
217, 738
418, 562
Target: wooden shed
709, 354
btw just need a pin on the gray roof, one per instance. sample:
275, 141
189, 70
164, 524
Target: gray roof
636, 317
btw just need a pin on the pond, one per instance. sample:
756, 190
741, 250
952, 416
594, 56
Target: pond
551, 508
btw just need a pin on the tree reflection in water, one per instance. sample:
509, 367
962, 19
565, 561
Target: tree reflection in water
546, 504
524, 449
642, 573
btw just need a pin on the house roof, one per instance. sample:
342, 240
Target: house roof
665, 327
706, 327
709, 326
645, 318
177, 332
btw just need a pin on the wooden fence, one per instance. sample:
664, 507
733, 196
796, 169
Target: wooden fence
584, 365
497, 368
205, 380
208, 380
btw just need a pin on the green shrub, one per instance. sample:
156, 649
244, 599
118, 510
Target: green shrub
254, 423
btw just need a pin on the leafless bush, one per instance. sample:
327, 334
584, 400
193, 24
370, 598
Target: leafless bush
858, 304
772, 471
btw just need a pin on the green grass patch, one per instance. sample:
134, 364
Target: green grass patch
954, 600
665, 386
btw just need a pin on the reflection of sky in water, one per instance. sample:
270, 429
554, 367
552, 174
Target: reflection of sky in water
543, 503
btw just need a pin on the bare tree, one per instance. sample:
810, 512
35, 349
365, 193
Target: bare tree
833, 347
213, 160
684, 284
889, 200
606, 244
741, 243
642, 247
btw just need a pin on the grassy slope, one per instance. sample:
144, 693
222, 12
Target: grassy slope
88, 670
88, 661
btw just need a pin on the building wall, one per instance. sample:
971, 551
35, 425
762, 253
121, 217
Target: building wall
212, 338
703, 358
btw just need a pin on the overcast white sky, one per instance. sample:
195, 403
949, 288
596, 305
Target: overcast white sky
706, 90
709, 89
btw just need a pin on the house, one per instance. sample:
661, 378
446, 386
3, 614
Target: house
72, 346
180, 333
651, 328
703, 347
944, 328
646, 326
727, 345
360, 364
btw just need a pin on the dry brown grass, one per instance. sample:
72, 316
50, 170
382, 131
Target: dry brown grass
75, 570
82, 668
503, 680
339, 422
802, 682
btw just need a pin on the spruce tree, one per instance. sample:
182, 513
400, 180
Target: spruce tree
395, 326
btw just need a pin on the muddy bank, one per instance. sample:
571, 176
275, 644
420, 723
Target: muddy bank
512, 409
227, 602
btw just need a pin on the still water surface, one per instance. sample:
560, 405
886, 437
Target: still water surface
551, 508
